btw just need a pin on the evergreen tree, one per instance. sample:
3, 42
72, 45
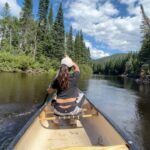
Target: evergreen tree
144, 54
42, 29
82, 53
77, 47
70, 46
58, 35
43, 11
50, 16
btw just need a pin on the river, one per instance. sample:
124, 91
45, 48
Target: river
123, 100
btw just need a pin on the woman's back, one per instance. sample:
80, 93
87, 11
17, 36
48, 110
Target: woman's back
71, 91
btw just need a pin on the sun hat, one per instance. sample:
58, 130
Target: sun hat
67, 61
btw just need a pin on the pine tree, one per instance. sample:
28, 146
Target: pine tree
42, 29
82, 53
144, 54
70, 46
50, 16
58, 35
77, 47
43, 11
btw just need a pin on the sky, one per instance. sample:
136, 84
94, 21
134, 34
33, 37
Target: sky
109, 26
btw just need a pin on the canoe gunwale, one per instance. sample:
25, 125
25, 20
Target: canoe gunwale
25, 128
130, 145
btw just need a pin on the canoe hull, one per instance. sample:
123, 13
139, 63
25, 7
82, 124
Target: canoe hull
42, 133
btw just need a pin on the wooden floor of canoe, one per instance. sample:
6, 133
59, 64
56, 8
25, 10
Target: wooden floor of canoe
53, 138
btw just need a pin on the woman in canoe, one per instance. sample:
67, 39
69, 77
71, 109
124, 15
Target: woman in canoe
68, 100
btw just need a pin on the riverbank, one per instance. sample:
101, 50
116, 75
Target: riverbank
139, 80
26, 64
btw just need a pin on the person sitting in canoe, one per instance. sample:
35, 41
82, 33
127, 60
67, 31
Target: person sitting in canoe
68, 100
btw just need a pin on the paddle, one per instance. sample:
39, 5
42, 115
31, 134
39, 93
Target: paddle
45, 100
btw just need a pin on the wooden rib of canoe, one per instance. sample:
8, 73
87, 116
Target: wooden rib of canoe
93, 131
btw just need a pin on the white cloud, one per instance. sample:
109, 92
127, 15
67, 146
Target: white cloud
95, 53
14, 7
101, 21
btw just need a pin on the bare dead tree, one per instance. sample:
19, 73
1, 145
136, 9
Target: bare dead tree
146, 19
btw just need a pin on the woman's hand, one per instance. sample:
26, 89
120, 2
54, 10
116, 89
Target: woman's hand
75, 67
50, 90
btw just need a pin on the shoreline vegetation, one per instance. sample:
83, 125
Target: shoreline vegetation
26, 64
124, 65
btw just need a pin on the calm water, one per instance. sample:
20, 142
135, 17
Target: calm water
124, 101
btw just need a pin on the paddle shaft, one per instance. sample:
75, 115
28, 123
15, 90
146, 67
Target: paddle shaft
45, 99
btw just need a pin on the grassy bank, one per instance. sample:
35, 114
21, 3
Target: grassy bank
23, 63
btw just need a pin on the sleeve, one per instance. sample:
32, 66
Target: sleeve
76, 76
54, 84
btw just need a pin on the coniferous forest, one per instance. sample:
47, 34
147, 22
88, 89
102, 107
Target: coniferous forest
27, 43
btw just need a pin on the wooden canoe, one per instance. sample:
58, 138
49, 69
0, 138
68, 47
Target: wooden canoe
93, 131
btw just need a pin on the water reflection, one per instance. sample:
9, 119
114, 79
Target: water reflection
125, 102
22, 87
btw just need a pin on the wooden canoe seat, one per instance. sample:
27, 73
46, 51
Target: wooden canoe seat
54, 117
118, 147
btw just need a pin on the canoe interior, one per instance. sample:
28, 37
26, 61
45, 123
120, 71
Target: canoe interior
91, 130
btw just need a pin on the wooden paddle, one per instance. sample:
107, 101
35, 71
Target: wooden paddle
45, 100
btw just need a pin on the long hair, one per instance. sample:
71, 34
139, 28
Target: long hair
63, 77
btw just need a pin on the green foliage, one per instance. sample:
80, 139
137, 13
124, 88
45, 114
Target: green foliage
82, 53
58, 35
9, 62
86, 70
50, 17
70, 44
144, 54
112, 65
118, 64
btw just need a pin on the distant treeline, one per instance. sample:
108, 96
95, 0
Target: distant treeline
44, 36
134, 64
117, 65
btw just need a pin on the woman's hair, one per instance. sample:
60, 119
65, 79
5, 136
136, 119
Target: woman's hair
63, 77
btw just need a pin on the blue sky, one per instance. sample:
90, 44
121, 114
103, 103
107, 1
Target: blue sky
109, 26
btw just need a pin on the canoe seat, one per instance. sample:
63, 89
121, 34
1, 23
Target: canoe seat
54, 117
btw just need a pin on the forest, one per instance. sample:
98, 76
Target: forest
39, 43
133, 64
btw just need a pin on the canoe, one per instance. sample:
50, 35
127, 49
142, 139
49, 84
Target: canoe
93, 131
